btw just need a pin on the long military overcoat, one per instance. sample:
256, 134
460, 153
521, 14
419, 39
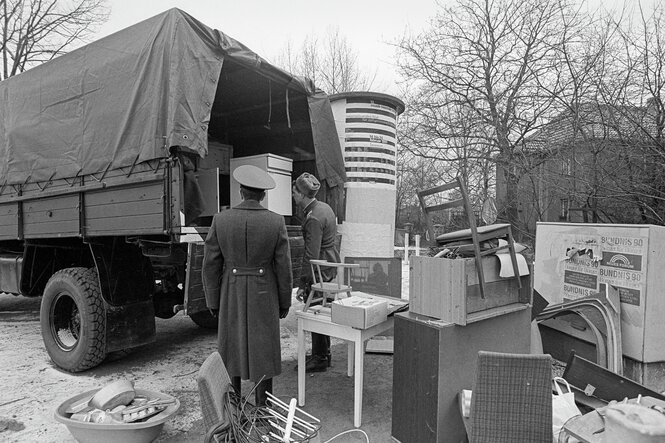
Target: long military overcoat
247, 276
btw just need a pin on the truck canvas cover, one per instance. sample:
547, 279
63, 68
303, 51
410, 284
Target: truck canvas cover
167, 81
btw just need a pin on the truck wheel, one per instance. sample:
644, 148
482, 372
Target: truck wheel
204, 319
73, 319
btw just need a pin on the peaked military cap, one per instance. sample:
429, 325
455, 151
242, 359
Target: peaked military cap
254, 177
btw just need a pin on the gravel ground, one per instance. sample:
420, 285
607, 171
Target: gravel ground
32, 387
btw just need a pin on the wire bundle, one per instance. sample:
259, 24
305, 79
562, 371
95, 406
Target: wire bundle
254, 424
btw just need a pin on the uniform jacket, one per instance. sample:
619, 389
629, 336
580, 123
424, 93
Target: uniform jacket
247, 276
319, 228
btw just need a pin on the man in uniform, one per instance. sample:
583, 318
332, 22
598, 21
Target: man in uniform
319, 228
247, 282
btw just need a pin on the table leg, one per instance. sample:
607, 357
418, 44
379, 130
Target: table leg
358, 383
350, 355
301, 364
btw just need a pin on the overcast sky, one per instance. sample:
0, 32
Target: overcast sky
266, 26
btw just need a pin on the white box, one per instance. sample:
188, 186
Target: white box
630, 258
278, 199
359, 312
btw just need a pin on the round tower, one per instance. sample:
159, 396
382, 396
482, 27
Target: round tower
366, 125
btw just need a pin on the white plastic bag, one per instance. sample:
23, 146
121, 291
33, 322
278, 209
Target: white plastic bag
563, 407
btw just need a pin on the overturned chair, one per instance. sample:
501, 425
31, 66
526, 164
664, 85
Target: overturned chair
214, 387
484, 239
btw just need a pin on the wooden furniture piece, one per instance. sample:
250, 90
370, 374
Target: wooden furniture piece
450, 290
322, 324
328, 290
434, 360
477, 234
511, 399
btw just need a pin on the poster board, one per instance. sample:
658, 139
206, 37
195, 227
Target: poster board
573, 260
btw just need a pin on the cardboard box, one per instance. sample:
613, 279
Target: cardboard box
359, 312
449, 290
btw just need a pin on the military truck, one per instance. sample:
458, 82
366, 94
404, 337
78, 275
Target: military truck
116, 155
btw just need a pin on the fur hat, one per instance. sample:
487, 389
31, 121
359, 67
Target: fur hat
308, 184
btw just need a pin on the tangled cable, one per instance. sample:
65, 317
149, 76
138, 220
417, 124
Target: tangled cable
276, 422
247, 423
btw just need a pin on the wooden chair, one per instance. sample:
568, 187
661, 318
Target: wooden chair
477, 234
511, 399
322, 289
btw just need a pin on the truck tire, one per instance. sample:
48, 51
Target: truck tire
204, 319
73, 319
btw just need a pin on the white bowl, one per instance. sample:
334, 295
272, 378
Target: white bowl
137, 432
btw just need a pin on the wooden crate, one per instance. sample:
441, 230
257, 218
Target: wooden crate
448, 290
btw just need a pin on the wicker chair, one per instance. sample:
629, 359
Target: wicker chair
511, 400
214, 385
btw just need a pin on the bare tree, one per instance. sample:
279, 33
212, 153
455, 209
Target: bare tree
602, 157
639, 110
330, 62
492, 59
35, 31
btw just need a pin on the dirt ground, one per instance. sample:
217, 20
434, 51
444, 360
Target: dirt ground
32, 387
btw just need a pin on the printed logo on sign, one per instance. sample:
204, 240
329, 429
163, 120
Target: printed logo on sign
623, 261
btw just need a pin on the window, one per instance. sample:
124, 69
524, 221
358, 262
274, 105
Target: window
565, 204
566, 166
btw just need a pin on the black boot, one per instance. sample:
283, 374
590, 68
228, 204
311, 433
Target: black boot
236, 384
318, 363
261, 392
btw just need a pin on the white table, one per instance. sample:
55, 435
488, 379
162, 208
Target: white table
322, 324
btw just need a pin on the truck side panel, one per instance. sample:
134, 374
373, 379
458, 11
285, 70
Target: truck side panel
142, 200
125, 210
9, 221
51, 217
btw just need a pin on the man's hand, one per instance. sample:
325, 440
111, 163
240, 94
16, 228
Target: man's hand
300, 295
214, 312
283, 313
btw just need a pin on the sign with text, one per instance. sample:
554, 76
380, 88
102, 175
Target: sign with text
592, 260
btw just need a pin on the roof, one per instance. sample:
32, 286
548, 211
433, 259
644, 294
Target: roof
595, 122
390, 100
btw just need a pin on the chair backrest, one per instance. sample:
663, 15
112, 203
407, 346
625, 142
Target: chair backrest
512, 398
213, 381
325, 271
463, 202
